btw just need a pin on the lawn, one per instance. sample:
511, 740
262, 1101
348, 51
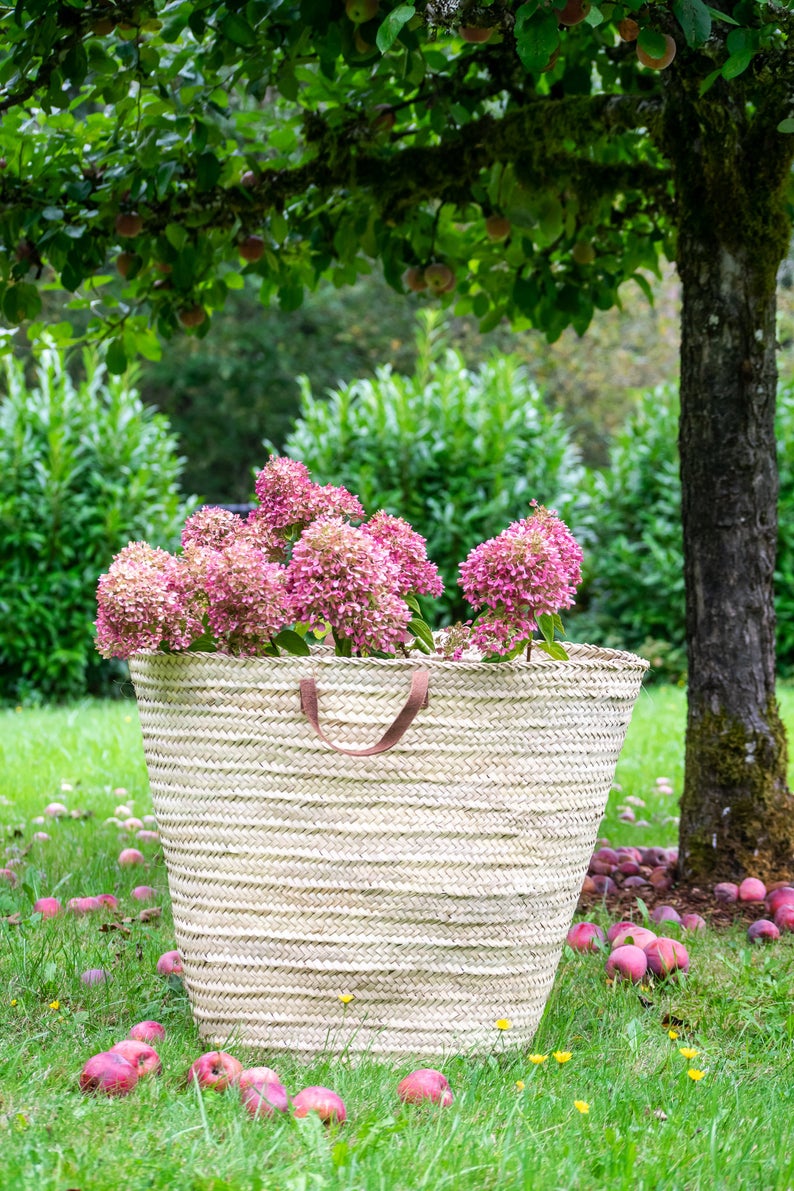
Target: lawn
514, 1123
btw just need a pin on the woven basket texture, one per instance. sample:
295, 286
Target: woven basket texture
434, 882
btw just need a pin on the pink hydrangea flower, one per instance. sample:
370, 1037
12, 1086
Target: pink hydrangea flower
408, 549
144, 602
246, 599
212, 527
289, 499
341, 576
453, 641
532, 568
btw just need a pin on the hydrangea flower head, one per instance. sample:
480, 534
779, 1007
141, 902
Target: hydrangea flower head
144, 602
246, 599
289, 499
532, 568
409, 550
211, 527
341, 576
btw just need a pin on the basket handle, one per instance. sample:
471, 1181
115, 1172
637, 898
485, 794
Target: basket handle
417, 698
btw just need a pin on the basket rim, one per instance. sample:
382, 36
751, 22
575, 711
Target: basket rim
579, 654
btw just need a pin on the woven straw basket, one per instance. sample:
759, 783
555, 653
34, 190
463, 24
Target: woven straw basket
432, 876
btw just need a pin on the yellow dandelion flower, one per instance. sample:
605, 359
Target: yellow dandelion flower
537, 1058
346, 998
504, 1023
693, 1073
672, 1034
688, 1052
562, 1056
14, 1001
55, 1005
127, 719
583, 1106
520, 1085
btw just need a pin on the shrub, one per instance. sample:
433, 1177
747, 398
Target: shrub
457, 453
633, 590
83, 468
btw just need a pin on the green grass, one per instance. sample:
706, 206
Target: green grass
649, 1125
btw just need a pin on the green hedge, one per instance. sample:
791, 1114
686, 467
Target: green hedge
84, 468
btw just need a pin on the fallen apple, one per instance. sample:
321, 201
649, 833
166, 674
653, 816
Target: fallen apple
8, 874
763, 929
693, 922
143, 1057
143, 893
110, 1074
48, 907
726, 892
95, 976
666, 956
665, 914
784, 917
130, 856
326, 1104
55, 810
751, 890
425, 1084
169, 964
253, 1077
147, 1031
264, 1100
215, 1070
627, 962
585, 936
83, 905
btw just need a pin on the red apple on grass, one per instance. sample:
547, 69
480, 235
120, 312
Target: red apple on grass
784, 896
763, 929
95, 976
56, 810
585, 936
83, 905
264, 1100
627, 962
169, 964
726, 892
110, 1074
215, 1070
48, 907
425, 1084
143, 1057
143, 893
129, 857
665, 914
8, 874
147, 1031
617, 927
253, 1077
666, 956
108, 900
693, 922
784, 918
328, 1106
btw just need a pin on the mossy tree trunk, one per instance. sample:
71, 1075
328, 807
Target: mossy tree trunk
737, 814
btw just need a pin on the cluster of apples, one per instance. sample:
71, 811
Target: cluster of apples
115, 1072
637, 951
628, 867
778, 901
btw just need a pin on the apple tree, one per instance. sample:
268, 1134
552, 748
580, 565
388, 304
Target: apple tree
516, 161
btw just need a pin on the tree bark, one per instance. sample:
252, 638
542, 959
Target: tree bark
737, 814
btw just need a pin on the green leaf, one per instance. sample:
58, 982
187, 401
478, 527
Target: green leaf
292, 642
391, 28
552, 648
547, 626
176, 236
413, 604
786, 125
537, 37
716, 15
116, 358
237, 30
737, 64
421, 630
208, 171
705, 86
695, 19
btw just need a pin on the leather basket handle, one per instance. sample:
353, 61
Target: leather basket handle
417, 698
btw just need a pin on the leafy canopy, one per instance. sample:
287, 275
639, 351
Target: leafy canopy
145, 145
